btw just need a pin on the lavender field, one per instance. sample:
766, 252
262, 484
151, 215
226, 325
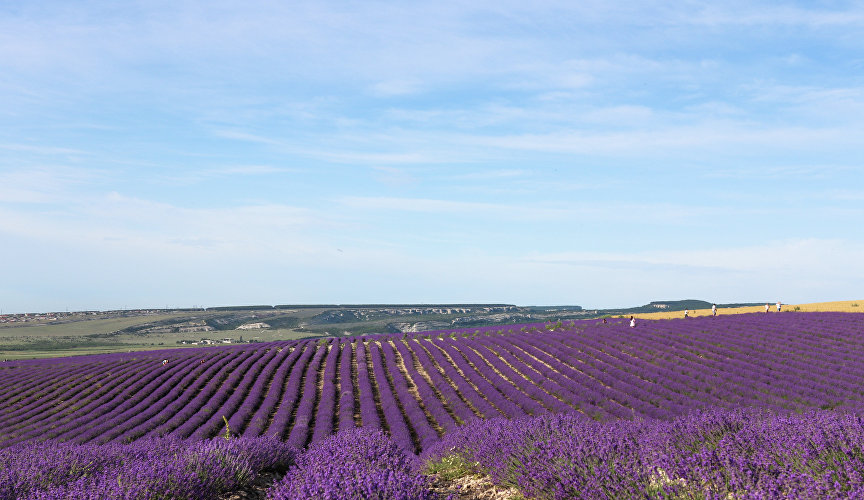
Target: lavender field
414, 393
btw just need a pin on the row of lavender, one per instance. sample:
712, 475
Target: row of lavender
420, 387
714, 454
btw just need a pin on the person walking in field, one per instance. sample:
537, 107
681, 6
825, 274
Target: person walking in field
778, 306
686, 314
632, 322
714, 309
767, 308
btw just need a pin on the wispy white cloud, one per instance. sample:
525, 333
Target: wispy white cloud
42, 149
397, 87
139, 226
760, 14
846, 194
460, 208
781, 255
549, 212
56, 184
493, 174
190, 177
353, 147
247, 137
783, 172
253, 170
394, 177
704, 137
792, 271
399, 158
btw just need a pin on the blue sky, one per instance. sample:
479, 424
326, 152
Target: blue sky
603, 154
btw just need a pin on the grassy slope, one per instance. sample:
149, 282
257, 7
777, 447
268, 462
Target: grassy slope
71, 338
124, 343
85, 327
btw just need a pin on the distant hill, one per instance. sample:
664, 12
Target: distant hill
675, 305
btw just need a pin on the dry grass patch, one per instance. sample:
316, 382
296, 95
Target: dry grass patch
839, 306
454, 477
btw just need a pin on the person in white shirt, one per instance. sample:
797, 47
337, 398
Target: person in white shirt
778, 306
767, 307
632, 322
686, 313
714, 309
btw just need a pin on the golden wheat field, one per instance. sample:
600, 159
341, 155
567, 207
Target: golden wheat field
839, 306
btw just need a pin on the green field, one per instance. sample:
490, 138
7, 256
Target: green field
85, 327
104, 335
127, 343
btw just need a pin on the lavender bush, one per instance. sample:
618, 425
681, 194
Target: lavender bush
147, 468
742, 453
357, 463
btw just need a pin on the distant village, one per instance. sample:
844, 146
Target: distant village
226, 340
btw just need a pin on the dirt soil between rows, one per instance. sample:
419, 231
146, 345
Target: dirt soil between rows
472, 488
